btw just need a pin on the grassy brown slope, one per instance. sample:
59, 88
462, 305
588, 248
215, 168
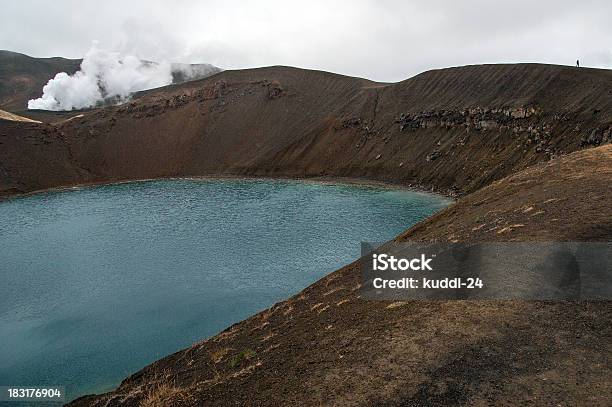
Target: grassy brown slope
325, 346
561, 89
14, 117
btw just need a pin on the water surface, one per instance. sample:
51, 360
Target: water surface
98, 282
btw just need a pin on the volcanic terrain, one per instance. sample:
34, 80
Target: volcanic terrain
525, 149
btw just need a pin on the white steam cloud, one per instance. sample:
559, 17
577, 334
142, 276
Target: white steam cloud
104, 76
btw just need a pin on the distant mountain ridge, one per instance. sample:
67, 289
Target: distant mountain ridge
22, 77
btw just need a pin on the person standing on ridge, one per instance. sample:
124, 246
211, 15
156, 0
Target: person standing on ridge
577, 63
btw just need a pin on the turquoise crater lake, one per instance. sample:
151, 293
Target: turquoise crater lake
98, 282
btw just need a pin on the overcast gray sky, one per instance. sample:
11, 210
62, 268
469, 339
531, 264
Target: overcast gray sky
380, 40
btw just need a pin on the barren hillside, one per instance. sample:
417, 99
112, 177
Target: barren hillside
453, 130
22, 77
326, 346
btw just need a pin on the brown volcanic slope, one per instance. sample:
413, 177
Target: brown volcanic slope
456, 130
462, 128
326, 346
22, 77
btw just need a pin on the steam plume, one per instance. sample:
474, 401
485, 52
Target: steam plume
104, 76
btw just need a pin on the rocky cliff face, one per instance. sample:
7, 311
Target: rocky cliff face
527, 128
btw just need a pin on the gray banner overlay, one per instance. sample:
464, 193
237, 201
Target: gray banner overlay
509, 270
